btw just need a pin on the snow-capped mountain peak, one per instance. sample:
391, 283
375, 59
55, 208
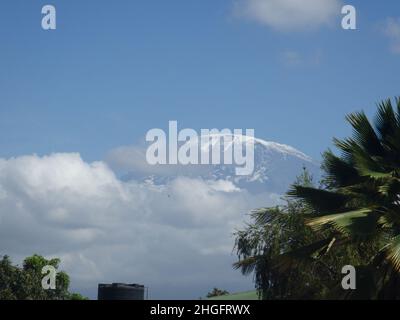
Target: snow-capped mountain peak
276, 166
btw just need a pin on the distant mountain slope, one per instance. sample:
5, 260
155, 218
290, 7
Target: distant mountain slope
276, 166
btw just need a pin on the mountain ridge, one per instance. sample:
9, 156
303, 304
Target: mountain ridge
276, 167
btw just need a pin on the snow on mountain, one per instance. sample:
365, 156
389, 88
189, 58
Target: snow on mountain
276, 166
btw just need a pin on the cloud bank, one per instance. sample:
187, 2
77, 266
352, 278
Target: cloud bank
289, 15
175, 239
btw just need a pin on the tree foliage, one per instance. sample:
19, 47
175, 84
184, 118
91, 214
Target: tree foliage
280, 249
25, 283
217, 293
353, 218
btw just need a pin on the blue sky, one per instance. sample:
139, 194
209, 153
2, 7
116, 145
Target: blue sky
114, 69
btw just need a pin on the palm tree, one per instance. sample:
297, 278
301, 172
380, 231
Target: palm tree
271, 232
360, 201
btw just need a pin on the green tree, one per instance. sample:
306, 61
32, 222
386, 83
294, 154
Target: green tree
360, 202
77, 296
9, 279
217, 293
261, 248
288, 258
26, 283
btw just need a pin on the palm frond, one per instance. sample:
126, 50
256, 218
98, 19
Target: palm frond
364, 134
360, 222
339, 172
319, 199
393, 252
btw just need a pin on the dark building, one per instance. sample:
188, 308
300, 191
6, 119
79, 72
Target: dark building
120, 291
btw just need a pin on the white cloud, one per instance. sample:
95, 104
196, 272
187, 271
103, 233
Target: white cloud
288, 15
176, 239
391, 28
